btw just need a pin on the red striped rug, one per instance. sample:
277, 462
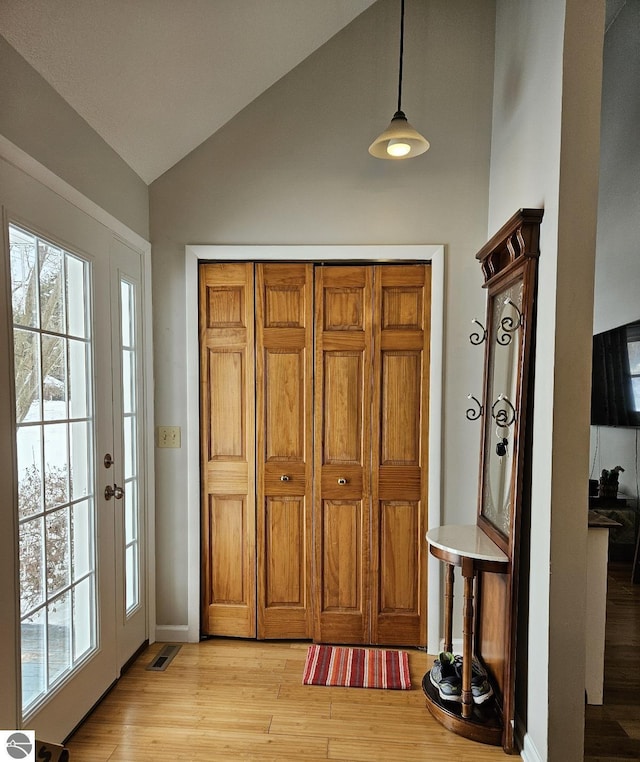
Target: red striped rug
357, 667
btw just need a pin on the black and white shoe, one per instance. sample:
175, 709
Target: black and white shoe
446, 677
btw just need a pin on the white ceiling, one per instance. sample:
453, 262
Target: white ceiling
155, 78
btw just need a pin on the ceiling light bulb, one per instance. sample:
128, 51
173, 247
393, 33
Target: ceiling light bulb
398, 148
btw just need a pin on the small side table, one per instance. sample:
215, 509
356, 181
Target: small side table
469, 548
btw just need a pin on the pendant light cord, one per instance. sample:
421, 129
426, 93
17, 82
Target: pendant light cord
401, 54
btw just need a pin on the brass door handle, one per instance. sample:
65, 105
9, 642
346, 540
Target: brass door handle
115, 492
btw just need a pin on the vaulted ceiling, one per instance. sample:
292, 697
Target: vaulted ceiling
155, 78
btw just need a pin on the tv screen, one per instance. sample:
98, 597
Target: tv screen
615, 389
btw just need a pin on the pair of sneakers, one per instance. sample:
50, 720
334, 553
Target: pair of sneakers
446, 676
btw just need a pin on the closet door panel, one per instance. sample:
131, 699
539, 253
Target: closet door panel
342, 446
399, 567
227, 520
227, 446
399, 454
342, 562
284, 406
284, 543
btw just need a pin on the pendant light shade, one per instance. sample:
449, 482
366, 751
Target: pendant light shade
400, 140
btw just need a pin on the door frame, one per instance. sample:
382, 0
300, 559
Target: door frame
433, 253
33, 170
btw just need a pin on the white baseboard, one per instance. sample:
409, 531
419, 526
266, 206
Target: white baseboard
529, 751
174, 634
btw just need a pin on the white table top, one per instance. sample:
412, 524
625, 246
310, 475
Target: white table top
466, 540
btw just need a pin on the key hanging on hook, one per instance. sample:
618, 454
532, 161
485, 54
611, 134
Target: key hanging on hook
501, 448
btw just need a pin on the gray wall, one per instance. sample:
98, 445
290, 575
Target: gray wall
617, 253
545, 154
36, 119
293, 168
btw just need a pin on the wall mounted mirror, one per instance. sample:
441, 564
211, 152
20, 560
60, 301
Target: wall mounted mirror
501, 421
509, 262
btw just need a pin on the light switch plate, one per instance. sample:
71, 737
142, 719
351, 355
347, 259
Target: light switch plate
168, 436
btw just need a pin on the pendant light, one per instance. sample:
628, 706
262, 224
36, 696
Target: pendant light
400, 140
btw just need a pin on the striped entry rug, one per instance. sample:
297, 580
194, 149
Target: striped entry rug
357, 667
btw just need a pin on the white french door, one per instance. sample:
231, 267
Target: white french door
77, 372
128, 449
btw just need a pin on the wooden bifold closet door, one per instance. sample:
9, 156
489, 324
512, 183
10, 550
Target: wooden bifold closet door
314, 451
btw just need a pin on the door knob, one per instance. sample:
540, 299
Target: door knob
342, 481
284, 478
115, 492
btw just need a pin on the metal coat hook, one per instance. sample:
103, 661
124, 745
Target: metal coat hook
473, 413
477, 337
503, 411
509, 324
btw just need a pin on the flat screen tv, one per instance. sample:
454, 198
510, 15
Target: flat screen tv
615, 388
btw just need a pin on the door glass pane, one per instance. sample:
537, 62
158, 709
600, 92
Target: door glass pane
24, 284
128, 376
82, 539
77, 316
131, 432
59, 636
26, 357
54, 377
58, 551
132, 575
79, 389
34, 656
130, 460
51, 266
55, 427
83, 624
56, 464
80, 472
32, 569
30, 494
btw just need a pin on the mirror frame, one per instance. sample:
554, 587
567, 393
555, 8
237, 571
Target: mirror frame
509, 256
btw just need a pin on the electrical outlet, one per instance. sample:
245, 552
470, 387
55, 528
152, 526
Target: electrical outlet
168, 436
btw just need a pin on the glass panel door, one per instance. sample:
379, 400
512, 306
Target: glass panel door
128, 426
78, 367
53, 358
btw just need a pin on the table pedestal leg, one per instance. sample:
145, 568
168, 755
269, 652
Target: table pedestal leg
448, 608
467, 639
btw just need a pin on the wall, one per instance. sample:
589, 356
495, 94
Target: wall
293, 168
35, 118
544, 154
617, 262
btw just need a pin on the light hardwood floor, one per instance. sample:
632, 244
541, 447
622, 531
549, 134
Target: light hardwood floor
244, 700
612, 731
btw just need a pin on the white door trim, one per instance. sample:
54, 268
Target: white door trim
191, 440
